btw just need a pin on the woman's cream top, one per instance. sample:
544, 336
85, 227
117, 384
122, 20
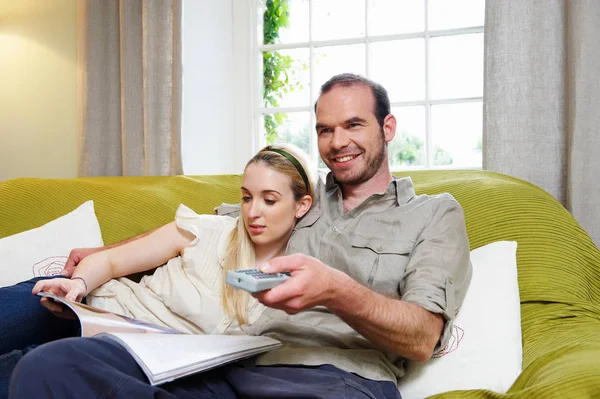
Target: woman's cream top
185, 293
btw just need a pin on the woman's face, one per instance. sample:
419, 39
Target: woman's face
268, 207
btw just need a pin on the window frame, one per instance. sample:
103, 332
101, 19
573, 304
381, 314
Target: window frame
255, 83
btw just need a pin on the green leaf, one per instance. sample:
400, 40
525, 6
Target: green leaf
279, 76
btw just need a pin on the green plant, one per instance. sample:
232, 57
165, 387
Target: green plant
408, 150
278, 76
441, 157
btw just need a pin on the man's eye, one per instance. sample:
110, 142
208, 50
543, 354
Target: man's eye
353, 125
325, 130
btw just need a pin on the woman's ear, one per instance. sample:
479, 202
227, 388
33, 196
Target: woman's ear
303, 205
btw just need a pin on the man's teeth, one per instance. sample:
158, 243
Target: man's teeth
346, 158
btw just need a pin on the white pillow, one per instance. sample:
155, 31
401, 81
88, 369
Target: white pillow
43, 251
485, 351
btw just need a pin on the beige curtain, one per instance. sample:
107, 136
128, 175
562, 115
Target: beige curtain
129, 56
542, 99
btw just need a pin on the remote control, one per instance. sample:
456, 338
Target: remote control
253, 280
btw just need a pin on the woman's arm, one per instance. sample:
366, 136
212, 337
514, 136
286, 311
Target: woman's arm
78, 254
140, 255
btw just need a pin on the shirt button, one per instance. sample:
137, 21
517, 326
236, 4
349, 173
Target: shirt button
379, 248
224, 321
335, 229
451, 280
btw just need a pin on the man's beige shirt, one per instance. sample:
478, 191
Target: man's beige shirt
396, 243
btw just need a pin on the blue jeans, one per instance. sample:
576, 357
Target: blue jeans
24, 324
101, 368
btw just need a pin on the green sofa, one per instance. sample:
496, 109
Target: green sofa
558, 264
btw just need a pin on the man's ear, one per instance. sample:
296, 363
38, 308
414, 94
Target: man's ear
303, 206
389, 128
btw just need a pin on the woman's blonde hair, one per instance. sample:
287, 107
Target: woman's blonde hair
239, 250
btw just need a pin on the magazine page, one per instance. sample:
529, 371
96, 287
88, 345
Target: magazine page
165, 358
94, 321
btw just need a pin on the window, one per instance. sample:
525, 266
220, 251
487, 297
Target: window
427, 53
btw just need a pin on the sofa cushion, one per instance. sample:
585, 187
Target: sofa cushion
43, 251
485, 351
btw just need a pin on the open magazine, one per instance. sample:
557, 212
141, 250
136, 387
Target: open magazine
163, 353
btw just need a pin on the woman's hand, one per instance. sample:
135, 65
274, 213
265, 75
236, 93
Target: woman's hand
71, 289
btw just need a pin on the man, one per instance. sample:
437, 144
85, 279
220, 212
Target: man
378, 274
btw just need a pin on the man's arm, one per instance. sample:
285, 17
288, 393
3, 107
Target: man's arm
78, 254
391, 324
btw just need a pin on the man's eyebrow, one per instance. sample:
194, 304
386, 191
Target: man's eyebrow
354, 119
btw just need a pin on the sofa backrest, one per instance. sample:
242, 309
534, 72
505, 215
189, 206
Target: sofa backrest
552, 247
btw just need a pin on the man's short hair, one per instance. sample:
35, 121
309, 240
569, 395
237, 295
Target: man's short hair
380, 94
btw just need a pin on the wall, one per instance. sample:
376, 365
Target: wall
38, 83
38, 88
215, 135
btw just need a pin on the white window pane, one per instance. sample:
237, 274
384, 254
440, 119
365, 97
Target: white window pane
408, 146
456, 132
400, 67
388, 17
286, 78
333, 60
283, 21
452, 14
456, 66
338, 19
293, 127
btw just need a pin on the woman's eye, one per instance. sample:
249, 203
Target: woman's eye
246, 199
270, 202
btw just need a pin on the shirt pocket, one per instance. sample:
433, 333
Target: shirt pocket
385, 260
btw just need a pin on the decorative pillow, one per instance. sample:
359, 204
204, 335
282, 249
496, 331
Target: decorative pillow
43, 251
485, 351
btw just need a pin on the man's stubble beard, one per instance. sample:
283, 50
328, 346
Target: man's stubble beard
371, 169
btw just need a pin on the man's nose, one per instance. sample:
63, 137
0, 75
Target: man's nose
340, 138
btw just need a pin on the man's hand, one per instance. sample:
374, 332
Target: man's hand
75, 257
312, 283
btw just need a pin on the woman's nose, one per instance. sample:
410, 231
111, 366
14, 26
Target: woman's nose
254, 211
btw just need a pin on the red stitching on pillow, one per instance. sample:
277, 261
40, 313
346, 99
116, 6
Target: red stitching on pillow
453, 343
50, 266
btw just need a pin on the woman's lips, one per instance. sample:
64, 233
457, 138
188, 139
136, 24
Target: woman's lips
256, 229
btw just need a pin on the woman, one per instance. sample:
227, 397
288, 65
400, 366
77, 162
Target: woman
189, 292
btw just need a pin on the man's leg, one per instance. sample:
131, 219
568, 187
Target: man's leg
92, 367
97, 367
8, 361
300, 382
24, 321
